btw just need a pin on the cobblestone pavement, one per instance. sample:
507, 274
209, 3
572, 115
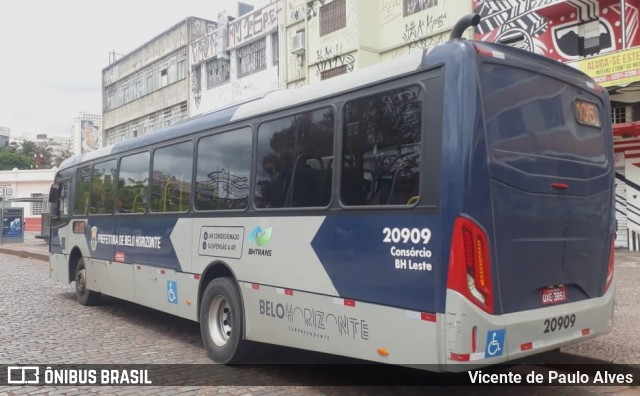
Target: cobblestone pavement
622, 345
40, 323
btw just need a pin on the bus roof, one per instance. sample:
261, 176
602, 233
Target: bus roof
267, 103
280, 99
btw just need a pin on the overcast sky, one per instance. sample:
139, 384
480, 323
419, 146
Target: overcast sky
52, 52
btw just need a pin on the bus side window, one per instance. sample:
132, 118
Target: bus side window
223, 169
103, 187
64, 198
133, 183
294, 157
171, 183
83, 187
381, 149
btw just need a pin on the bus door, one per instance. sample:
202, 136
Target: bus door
59, 198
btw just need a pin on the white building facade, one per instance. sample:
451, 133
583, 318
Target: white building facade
238, 61
33, 183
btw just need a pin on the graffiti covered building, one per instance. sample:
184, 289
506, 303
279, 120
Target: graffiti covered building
327, 38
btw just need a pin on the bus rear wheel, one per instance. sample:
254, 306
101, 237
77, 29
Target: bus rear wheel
83, 294
221, 322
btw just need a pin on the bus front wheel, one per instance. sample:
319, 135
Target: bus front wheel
221, 321
83, 294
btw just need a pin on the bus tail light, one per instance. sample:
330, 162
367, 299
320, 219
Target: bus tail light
470, 264
610, 266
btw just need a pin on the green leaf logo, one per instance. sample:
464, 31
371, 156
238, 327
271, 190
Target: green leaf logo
259, 236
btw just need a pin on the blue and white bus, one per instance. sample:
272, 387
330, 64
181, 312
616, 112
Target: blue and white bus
453, 207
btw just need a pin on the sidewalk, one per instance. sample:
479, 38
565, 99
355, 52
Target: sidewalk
620, 346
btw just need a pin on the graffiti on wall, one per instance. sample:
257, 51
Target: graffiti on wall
421, 44
389, 11
421, 33
196, 85
347, 61
423, 27
328, 52
410, 7
562, 30
253, 25
205, 48
296, 13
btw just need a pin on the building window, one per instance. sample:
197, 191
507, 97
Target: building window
336, 71
333, 16
164, 78
182, 69
619, 115
275, 48
252, 57
217, 72
635, 112
412, 6
36, 207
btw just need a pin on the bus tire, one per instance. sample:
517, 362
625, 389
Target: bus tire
83, 295
222, 322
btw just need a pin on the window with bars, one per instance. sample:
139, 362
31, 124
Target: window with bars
336, 71
217, 72
618, 115
252, 58
36, 207
333, 16
410, 7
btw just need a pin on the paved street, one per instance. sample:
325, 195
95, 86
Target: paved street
40, 323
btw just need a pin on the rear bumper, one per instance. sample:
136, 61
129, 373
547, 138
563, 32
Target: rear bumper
501, 338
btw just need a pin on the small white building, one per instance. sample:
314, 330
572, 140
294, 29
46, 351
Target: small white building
32, 183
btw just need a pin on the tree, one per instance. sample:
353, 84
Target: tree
27, 148
63, 155
42, 157
10, 160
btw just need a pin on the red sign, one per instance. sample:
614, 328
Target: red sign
553, 295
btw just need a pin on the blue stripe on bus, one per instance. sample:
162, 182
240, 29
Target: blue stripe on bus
134, 240
364, 263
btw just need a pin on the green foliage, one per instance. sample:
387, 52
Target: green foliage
9, 160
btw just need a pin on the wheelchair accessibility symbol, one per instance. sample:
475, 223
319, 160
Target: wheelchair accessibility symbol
172, 292
495, 343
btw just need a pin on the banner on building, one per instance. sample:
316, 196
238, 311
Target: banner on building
619, 68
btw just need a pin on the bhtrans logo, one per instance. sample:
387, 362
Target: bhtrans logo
260, 237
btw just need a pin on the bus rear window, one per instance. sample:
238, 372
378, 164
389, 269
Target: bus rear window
535, 115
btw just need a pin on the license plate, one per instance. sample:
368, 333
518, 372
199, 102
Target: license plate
553, 295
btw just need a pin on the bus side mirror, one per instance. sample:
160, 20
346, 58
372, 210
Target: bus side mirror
54, 193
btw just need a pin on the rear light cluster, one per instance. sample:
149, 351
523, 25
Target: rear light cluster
470, 264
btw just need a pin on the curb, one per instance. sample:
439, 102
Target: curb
26, 254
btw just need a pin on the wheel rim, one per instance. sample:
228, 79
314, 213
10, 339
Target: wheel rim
81, 283
220, 320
